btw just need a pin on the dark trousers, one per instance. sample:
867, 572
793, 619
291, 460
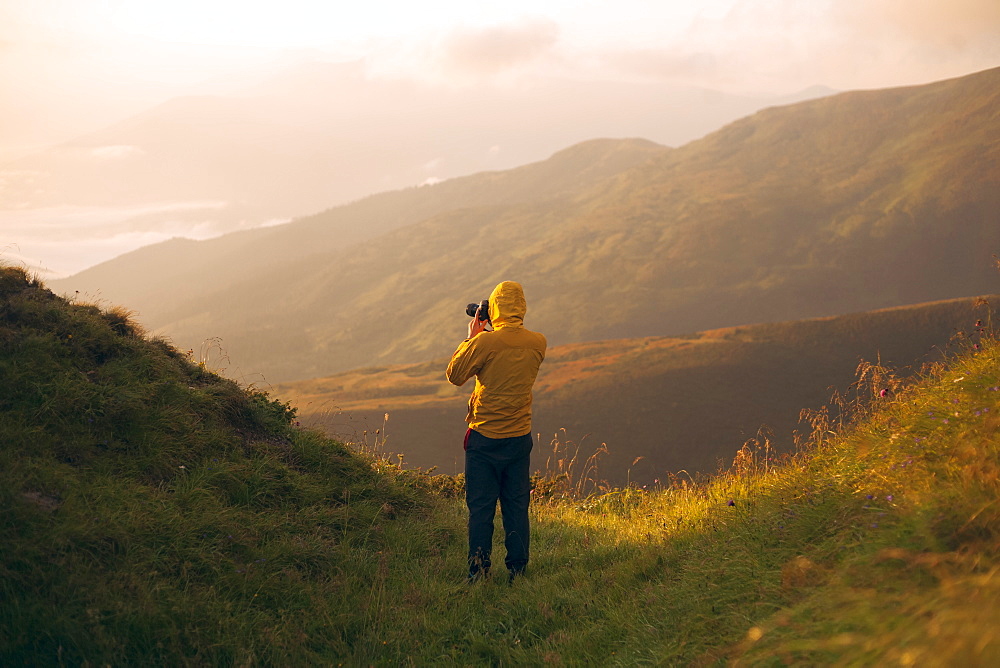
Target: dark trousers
497, 469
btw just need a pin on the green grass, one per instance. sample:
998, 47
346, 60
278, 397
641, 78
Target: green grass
154, 513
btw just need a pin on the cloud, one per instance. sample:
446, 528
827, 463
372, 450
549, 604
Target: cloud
67, 239
67, 222
27, 176
786, 45
493, 49
431, 165
116, 152
953, 25
919, 40
464, 55
668, 64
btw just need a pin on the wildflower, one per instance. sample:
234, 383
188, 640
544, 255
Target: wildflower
889, 498
883, 393
869, 497
731, 503
182, 467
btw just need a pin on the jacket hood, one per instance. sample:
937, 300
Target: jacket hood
507, 305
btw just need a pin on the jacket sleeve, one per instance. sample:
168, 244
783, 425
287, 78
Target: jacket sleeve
464, 364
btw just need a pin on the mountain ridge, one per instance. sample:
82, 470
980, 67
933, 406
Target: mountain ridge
859, 201
201, 263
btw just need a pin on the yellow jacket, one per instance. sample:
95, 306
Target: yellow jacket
505, 363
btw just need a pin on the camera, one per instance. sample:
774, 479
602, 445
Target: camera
483, 307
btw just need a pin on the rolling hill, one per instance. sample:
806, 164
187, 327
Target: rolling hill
685, 402
859, 201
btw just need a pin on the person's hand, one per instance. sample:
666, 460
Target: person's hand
476, 325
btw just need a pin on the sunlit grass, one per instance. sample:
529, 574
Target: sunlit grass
856, 550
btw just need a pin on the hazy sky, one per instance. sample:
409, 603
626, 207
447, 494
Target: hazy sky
73, 65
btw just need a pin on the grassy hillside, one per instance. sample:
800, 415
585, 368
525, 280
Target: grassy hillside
854, 202
680, 403
154, 514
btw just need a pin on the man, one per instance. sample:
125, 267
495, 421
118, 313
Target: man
498, 443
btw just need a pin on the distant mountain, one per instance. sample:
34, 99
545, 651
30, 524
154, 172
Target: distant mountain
321, 134
858, 201
678, 402
161, 280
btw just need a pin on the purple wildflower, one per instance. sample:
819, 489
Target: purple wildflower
731, 503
